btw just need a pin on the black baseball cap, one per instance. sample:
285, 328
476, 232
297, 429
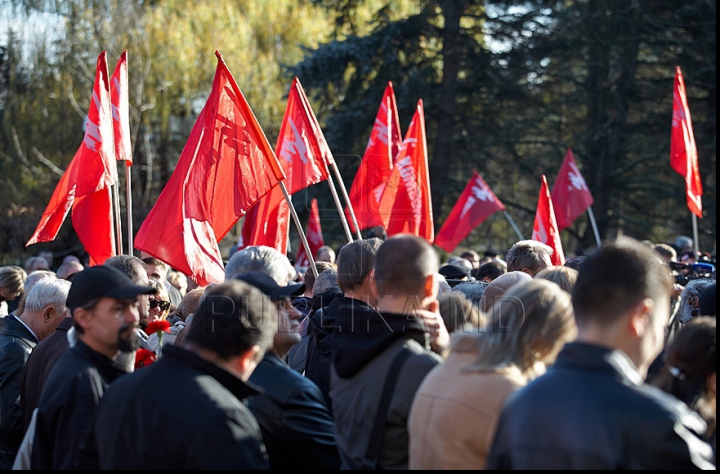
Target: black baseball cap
102, 281
267, 285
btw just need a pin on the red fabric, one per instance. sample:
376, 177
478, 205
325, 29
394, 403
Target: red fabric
304, 155
683, 152
268, 223
84, 188
376, 164
570, 194
476, 203
121, 110
227, 165
314, 237
301, 145
545, 229
406, 205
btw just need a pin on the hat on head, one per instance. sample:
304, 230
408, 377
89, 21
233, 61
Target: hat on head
102, 281
499, 286
454, 272
267, 285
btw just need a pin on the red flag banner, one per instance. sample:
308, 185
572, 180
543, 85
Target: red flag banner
268, 222
84, 188
226, 166
545, 229
301, 145
121, 110
570, 194
476, 203
406, 205
314, 237
376, 164
683, 152
304, 157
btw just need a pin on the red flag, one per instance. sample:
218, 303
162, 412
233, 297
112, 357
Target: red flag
377, 164
476, 203
545, 229
570, 194
314, 237
304, 155
227, 165
268, 222
405, 205
85, 185
121, 110
683, 152
301, 145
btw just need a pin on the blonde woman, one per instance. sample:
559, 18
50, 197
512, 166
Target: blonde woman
159, 302
454, 414
565, 277
12, 284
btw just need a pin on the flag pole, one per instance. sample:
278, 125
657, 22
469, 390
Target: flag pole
696, 241
594, 226
341, 184
128, 205
303, 239
118, 225
343, 219
514, 226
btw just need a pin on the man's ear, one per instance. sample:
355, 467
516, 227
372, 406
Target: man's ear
431, 286
48, 312
248, 360
372, 284
82, 317
640, 317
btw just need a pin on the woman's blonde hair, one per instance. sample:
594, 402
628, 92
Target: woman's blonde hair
13, 278
564, 277
529, 324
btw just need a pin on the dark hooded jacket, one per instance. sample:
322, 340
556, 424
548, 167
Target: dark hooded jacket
16, 345
364, 345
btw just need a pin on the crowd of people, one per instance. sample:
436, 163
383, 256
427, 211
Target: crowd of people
388, 358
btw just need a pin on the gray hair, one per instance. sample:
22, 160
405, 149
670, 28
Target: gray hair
46, 292
527, 254
473, 290
326, 280
356, 261
261, 258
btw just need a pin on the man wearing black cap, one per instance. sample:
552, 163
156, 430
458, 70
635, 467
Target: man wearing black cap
296, 423
104, 304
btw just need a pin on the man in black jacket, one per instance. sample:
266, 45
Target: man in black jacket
187, 410
356, 264
296, 425
104, 304
44, 309
591, 410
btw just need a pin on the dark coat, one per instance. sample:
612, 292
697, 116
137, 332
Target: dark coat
591, 410
321, 325
73, 389
181, 412
37, 368
16, 345
295, 422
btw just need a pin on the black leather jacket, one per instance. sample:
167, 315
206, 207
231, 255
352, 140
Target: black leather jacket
591, 410
295, 422
16, 345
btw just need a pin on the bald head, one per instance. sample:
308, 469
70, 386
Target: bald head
402, 265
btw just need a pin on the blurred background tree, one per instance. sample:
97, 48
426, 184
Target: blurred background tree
508, 87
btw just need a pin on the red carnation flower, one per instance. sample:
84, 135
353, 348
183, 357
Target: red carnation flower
144, 357
159, 326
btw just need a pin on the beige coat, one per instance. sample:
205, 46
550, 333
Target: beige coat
454, 413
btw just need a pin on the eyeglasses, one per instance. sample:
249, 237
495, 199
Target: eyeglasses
164, 305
